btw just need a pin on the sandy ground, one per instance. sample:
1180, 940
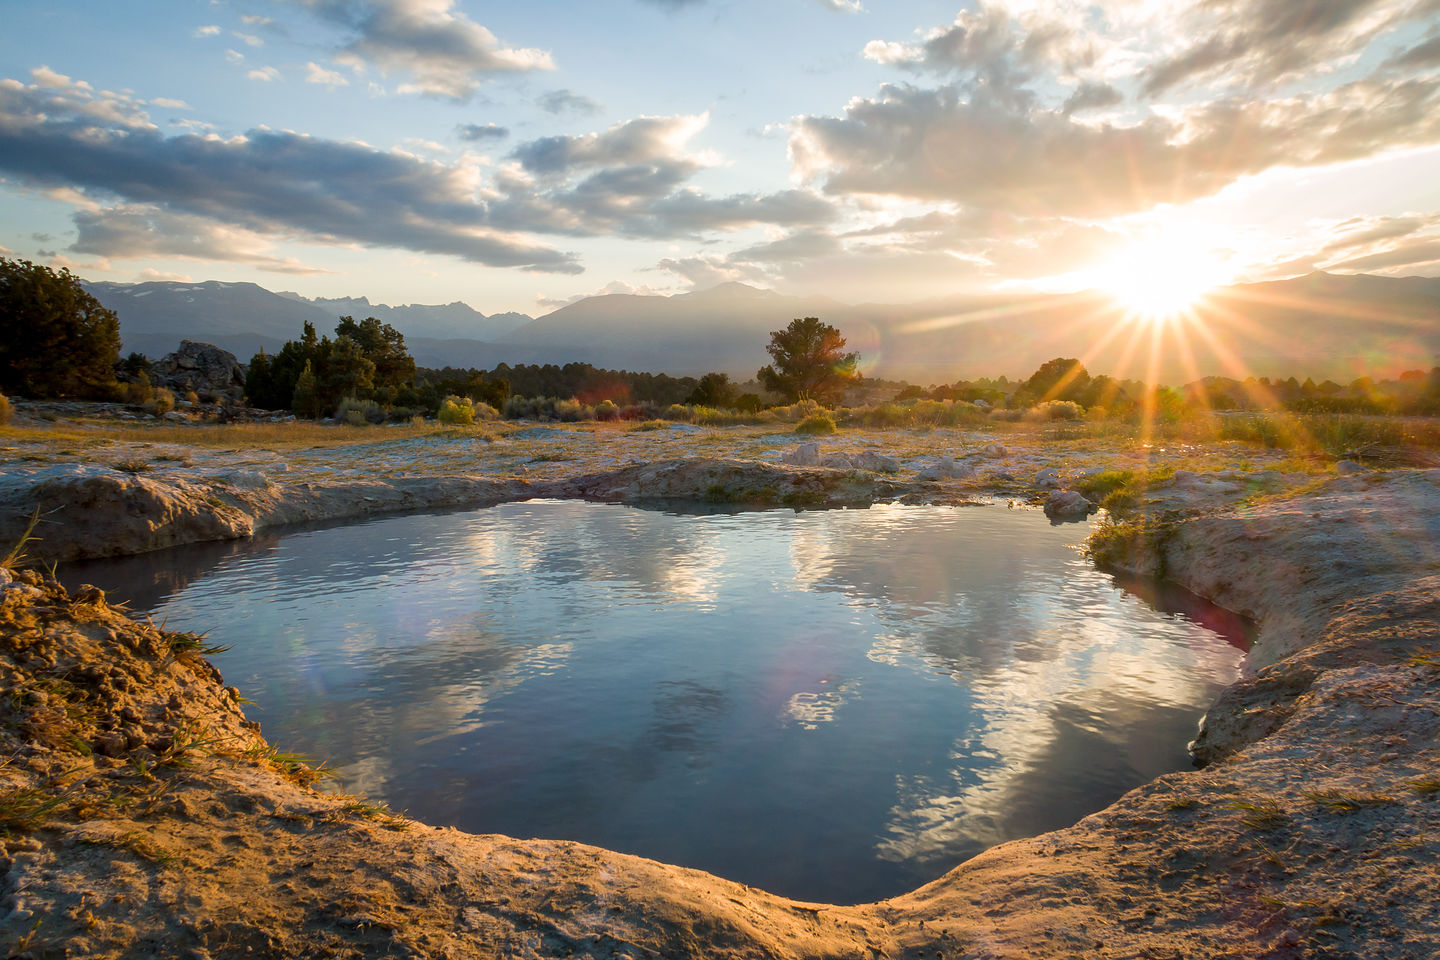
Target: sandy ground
143, 817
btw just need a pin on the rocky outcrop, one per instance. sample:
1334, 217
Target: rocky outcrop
213, 374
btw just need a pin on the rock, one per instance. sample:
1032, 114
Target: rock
946, 469
877, 462
840, 461
1048, 479
981, 404
994, 450
1347, 467
805, 455
1065, 505
212, 373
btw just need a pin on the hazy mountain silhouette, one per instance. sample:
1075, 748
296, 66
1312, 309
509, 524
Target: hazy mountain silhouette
245, 317
1321, 325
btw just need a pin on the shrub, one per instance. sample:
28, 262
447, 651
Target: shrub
1055, 410
418, 421
680, 412
457, 410
4, 408
161, 402
139, 391
654, 425
607, 410
191, 396
817, 425
749, 403
357, 413
483, 411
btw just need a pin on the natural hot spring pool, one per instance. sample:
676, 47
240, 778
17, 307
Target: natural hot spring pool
834, 705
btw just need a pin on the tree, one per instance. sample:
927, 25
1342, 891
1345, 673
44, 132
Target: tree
306, 402
56, 340
809, 362
1063, 378
713, 390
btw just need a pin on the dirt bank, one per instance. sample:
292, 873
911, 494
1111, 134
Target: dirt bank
144, 817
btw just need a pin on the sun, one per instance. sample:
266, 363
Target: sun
1161, 278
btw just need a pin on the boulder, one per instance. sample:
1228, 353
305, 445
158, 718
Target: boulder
1347, 467
877, 462
946, 469
212, 373
1063, 505
994, 450
1048, 479
805, 455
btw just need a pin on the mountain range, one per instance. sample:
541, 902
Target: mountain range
1320, 325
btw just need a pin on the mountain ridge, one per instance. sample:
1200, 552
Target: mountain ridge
1322, 325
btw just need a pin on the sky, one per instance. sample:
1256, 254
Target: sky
522, 155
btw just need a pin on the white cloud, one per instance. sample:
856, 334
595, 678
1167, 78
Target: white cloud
210, 31
169, 103
314, 73
266, 74
234, 56
445, 52
255, 20
249, 39
151, 274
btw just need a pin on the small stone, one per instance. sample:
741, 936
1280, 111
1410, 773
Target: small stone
1067, 505
1347, 467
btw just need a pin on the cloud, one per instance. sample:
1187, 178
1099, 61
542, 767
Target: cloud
951, 144
1382, 244
646, 140
1257, 43
474, 132
234, 56
142, 231
265, 181
630, 180
267, 74
170, 103
249, 39
314, 73
566, 101
210, 31
255, 20
446, 53
844, 6
151, 274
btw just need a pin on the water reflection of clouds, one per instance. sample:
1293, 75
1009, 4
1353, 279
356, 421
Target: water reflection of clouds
808, 709
1068, 666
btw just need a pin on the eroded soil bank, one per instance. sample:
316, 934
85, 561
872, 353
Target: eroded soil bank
143, 816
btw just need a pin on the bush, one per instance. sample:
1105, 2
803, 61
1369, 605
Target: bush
457, 411
483, 411
680, 412
358, 413
160, 403
818, 425
138, 391
4, 408
654, 425
607, 410
1055, 410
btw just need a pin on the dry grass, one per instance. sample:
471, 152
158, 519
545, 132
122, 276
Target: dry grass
261, 436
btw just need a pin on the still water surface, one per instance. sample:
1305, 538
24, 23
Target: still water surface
833, 705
